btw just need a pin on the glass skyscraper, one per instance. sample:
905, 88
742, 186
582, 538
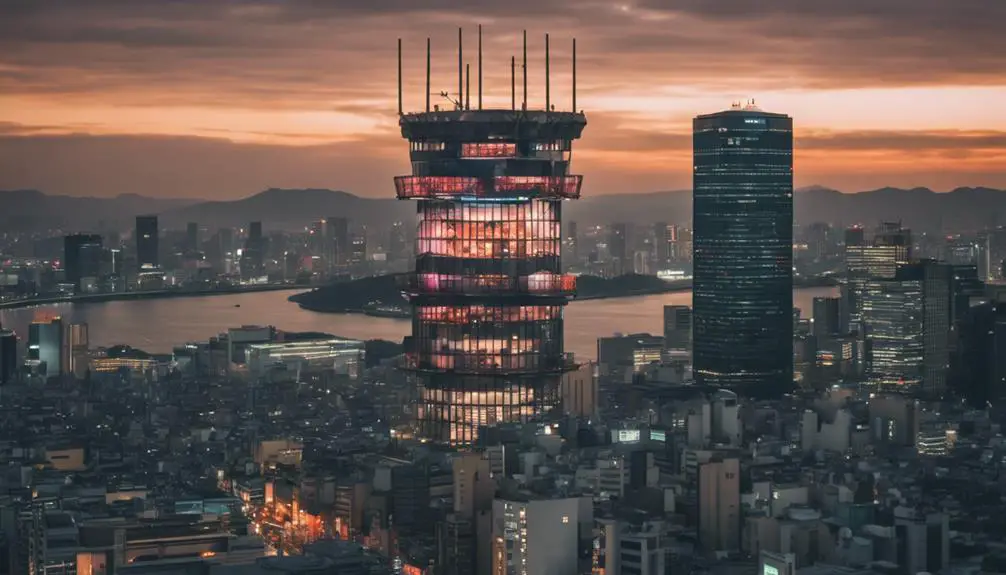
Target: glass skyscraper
743, 250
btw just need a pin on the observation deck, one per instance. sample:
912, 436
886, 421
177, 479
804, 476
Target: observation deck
495, 286
490, 125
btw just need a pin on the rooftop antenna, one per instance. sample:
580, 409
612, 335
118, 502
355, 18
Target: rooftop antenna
447, 96
399, 76
468, 86
513, 82
548, 87
461, 93
427, 74
574, 75
524, 65
480, 66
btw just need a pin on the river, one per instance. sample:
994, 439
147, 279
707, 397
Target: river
157, 325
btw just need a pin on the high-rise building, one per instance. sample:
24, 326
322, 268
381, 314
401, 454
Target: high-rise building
74, 350
826, 318
8, 356
337, 242
678, 330
571, 245
742, 331
82, 255
488, 290
397, 249
878, 258
45, 345
992, 255
892, 321
979, 369
665, 239
147, 243
358, 249
536, 536
192, 237
907, 324
618, 249
253, 255
719, 511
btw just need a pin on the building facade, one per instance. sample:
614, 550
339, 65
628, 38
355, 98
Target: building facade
147, 243
743, 250
488, 290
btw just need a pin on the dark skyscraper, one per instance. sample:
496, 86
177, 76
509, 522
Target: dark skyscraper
82, 255
8, 356
338, 244
192, 237
743, 250
618, 247
147, 244
253, 255
488, 290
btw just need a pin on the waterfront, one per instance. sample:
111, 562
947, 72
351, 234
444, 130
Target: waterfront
158, 325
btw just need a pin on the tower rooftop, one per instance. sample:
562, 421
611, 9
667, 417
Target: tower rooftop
485, 125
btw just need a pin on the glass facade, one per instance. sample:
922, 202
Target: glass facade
743, 250
488, 289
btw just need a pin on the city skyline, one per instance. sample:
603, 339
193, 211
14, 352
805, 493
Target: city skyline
220, 102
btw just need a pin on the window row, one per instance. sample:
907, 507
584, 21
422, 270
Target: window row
470, 313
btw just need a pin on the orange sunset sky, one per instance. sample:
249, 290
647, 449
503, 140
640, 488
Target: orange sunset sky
223, 98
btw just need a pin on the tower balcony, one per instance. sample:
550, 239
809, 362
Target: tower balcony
498, 187
539, 284
468, 363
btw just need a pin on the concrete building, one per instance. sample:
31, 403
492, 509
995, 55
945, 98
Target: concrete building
536, 536
578, 391
678, 330
719, 509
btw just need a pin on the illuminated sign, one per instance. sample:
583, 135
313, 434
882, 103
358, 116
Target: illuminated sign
628, 435
769, 570
658, 435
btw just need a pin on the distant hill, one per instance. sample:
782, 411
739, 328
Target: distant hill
28, 210
920, 208
291, 209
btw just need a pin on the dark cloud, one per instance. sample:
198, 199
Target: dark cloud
317, 50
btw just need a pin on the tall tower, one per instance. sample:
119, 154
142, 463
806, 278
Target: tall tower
488, 290
743, 250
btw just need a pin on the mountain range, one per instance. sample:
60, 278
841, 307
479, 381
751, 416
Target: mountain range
962, 209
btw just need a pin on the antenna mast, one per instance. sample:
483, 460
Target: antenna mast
399, 76
468, 86
513, 82
548, 88
480, 66
427, 74
524, 66
574, 75
461, 71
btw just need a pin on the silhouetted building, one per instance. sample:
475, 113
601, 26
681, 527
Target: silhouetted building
665, 238
397, 249
147, 243
192, 237
82, 255
826, 318
979, 368
678, 329
8, 356
618, 248
337, 243
742, 330
253, 255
